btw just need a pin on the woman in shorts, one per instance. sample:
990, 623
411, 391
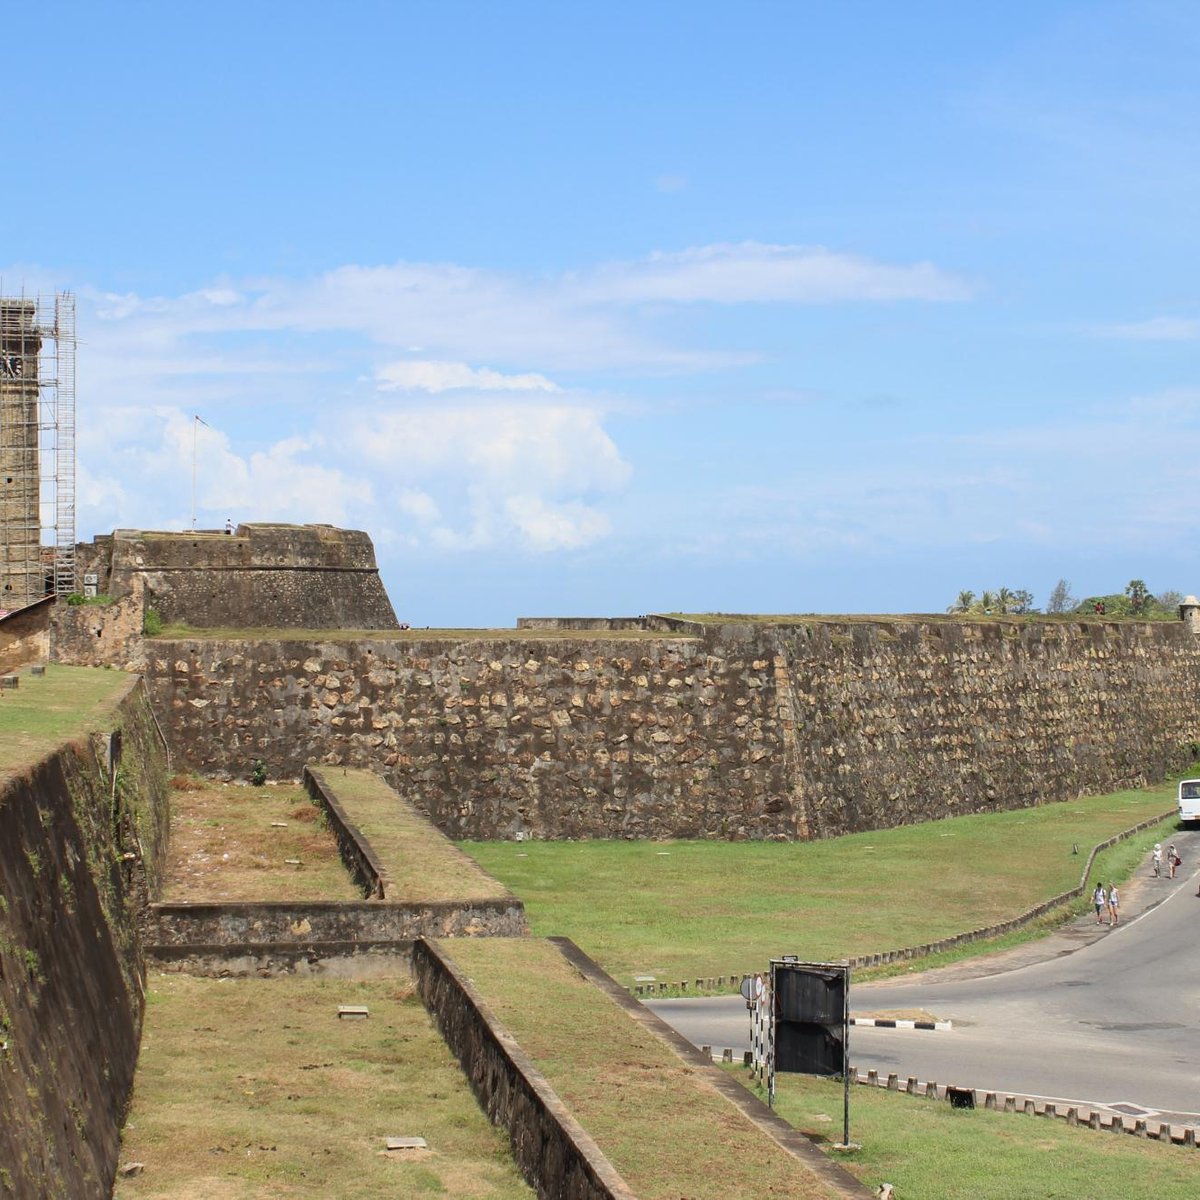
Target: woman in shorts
1114, 905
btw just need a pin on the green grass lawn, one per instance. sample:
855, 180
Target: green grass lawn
422, 863
666, 1130
46, 710
254, 1088
927, 1149
682, 910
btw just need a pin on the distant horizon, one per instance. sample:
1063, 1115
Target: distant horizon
590, 310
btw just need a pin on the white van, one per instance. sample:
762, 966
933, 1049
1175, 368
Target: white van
1189, 799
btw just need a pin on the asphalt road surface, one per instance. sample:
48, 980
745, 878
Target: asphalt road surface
1090, 1015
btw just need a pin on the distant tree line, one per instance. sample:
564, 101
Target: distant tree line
1135, 601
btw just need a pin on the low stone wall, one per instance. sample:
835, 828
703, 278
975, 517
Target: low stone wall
554, 1153
581, 624
264, 960
94, 635
25, 636
79, 850
356, 852
239, 924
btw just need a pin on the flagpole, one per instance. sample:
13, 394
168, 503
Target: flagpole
194, 423
197, 421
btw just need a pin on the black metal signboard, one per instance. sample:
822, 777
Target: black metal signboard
810, 1016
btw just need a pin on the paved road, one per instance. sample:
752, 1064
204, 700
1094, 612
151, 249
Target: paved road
1089, 1015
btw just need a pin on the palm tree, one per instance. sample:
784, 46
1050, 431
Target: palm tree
986, 602
963, 603
1004, 599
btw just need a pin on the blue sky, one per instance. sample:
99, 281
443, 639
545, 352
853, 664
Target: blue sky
620, 308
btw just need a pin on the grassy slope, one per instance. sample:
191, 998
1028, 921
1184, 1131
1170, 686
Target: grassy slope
255, 1088
225, 847
47, 710
668, 1133
265, 634
684, 910
423, 864
926, 1148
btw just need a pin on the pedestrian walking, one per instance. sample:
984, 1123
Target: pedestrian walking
1114, 904
1173, 860
1100, 900
1156, 859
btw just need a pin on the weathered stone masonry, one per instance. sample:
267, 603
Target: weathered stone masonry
566, 738
807, 730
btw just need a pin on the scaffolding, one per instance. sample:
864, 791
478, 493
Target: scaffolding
37, 448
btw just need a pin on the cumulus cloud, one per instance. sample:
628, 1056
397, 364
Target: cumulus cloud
488, 475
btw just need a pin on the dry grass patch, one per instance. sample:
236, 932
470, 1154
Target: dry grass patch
231, 842
47, 710
255, 1088
657, 1119
422, 863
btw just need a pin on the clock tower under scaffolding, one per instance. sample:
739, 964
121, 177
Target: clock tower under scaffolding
37, 448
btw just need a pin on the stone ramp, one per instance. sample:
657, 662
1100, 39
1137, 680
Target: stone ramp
598, 1097
397, 852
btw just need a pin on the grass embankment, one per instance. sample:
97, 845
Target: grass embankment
267, 634
234, 843
686, 910
968, 618
926, 1148
665, 1129
421, 862
253, 1087
46, 710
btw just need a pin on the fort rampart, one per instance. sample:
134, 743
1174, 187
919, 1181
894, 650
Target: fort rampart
750, 731
283, 576
84, 831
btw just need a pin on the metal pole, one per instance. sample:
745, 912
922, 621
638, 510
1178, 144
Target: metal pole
195, 422
846, 1061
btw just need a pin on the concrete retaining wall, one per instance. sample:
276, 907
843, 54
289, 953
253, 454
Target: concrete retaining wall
552, 1150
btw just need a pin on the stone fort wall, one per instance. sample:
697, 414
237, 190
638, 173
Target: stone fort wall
750, 731
283, 576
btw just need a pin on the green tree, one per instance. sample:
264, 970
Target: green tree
1022, 601
1004, 600
987, 602
1139, 595
963, 603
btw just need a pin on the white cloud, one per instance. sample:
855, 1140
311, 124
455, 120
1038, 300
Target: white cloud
427, 376
144, 476
491, 474
1156, 329
754, 272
